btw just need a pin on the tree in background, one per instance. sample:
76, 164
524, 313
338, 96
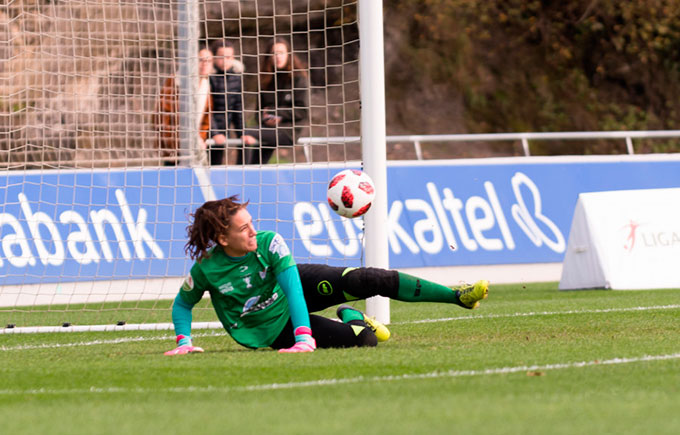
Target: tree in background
517, 65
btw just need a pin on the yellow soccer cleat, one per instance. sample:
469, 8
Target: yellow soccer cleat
381, 332
470, 295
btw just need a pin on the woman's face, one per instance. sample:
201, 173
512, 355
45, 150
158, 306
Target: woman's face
280, 55
224, 59
205, 62
240, 238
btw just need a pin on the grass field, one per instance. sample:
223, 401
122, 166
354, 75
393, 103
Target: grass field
531, 360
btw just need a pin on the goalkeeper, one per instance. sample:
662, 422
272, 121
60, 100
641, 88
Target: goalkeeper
263, 299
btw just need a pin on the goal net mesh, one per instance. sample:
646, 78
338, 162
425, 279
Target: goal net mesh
95, 203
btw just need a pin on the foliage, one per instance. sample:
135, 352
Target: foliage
519, 65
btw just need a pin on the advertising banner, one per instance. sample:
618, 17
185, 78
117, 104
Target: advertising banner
127, 224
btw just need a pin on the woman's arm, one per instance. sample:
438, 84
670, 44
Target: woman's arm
298, 107
300, 98
290, 283
235, 104
181, 319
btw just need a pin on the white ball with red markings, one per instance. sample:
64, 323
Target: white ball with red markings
351, 193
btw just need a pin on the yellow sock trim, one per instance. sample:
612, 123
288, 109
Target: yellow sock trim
348, 270
349, 297
357, 329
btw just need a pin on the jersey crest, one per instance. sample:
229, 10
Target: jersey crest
250, 303
278, 246
253, 304
188, 283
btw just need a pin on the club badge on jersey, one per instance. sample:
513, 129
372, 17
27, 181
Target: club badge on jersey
279, 246
188, 284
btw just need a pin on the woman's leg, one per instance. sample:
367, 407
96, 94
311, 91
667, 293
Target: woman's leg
330, 333
262, 151
268, 139
218, 149
325, 286
218, 133
249, 152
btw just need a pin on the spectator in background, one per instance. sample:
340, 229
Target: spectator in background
283, 103
166, 119
226, 90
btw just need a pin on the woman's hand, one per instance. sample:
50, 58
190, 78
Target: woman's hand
183, 350
304, 342
248, 139
184, 346
299, 347
271, 120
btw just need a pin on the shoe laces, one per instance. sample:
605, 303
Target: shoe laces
370, 321
465, 288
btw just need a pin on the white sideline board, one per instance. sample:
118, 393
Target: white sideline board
624, 240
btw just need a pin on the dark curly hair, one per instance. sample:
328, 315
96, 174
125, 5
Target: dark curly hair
210, 221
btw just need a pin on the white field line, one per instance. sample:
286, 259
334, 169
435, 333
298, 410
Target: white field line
97, 342
543, 313
533, 369
445, 319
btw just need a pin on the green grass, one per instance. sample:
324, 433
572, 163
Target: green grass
510, 367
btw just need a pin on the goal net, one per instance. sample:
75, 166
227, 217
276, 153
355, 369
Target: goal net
104, 149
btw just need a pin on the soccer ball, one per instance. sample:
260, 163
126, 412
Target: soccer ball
350, 193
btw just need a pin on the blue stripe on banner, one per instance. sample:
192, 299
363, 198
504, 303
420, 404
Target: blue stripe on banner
85, 225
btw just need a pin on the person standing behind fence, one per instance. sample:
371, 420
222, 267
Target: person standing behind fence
283, 103
227, 96
166, 119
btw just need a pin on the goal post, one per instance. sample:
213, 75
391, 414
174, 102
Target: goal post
187, 38
94, 208
373, 133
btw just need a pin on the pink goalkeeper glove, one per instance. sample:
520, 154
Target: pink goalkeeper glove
304, 342
182, 350
184, 346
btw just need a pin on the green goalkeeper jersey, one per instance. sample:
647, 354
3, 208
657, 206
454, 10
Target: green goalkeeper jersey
244, 291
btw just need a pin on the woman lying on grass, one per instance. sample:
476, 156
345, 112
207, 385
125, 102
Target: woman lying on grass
263, 299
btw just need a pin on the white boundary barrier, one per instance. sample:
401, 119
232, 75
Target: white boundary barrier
624, 240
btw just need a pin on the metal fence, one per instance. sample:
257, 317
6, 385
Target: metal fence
524, 138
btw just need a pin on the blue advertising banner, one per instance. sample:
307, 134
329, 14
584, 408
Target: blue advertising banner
84, 225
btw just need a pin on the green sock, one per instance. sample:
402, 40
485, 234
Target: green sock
348, 315
413, 289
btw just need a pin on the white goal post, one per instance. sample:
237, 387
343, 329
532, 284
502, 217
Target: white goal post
373, 140
102, 156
